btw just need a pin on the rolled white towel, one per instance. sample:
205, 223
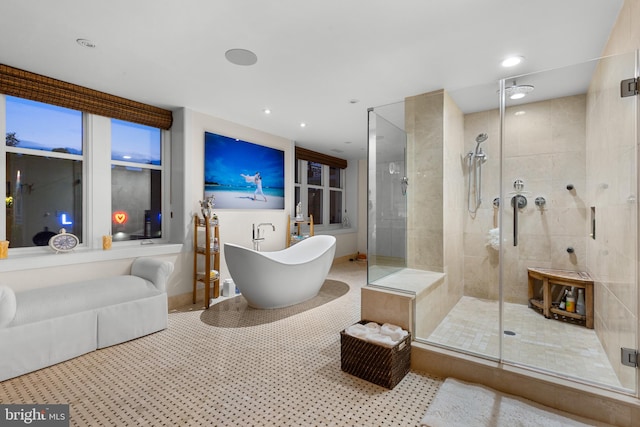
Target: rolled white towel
396, 333
383, 340
388, 328
358, 331
373, 327
493, 239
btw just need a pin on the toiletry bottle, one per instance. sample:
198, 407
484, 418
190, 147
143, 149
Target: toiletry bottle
580, 307
563, 302
571, 304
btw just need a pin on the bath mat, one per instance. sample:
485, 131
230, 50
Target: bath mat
460, 404
236, 313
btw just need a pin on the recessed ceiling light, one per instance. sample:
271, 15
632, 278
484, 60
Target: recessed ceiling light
512, 61
241, 56
347, 142
303, 125
266, 111
86, 43
354, 101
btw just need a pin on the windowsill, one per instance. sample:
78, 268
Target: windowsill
48, 258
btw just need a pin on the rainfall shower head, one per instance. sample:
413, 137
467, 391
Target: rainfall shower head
518, 91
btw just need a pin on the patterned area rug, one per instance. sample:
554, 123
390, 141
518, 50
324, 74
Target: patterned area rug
236, 313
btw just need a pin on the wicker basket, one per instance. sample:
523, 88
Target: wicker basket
384, 366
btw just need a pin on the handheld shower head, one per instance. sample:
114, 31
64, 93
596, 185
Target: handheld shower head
479, 140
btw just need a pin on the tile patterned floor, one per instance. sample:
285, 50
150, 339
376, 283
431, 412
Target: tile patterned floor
283, 372
547, 344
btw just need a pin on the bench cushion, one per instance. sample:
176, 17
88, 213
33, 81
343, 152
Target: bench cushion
40, 304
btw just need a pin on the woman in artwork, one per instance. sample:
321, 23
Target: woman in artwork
257, 180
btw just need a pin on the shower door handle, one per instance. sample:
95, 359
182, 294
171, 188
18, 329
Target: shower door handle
518, 202
404, 182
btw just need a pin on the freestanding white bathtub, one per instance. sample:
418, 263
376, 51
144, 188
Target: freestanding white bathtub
281, 278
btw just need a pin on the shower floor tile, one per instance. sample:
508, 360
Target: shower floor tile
547, 344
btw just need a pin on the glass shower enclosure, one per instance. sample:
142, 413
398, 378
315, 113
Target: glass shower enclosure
387, 214
553, 224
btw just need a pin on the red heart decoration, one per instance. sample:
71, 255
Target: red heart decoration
120, 217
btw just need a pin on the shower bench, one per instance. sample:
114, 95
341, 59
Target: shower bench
551, 277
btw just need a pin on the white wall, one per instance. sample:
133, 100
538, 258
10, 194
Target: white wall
235, 225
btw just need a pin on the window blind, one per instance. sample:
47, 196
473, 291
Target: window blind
36, 87
312, 156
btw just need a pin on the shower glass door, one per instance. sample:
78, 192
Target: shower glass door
569, 217
387, 206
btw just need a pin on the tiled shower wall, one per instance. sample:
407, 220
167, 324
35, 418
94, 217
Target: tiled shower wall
545, 148
434, 126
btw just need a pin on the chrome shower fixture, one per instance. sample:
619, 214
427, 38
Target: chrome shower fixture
476, 158
518, 91
482, 138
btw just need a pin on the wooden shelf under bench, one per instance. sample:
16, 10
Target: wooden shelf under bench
550, 277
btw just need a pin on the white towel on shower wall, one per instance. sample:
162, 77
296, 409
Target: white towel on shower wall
493, 239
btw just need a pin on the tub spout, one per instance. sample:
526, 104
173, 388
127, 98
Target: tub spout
265, 224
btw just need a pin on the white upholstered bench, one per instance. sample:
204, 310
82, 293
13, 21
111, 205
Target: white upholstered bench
42, 327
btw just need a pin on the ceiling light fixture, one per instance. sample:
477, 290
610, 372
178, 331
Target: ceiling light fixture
241, 57
266, 111
512, 61
86, 43
354, 101
303, 125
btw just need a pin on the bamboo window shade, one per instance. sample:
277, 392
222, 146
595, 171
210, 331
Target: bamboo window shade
35, 87
312, 156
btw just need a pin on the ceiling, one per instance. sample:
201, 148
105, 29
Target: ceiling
323, 63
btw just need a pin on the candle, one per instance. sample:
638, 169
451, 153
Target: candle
106, 242
4, 249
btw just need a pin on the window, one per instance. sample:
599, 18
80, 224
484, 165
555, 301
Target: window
321, 191
136, 181
54, 161
44, 172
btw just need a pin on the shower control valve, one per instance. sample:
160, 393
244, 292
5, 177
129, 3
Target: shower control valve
518, 185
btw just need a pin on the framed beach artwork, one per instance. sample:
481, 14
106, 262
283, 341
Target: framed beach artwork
241, 174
